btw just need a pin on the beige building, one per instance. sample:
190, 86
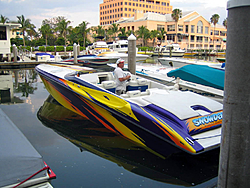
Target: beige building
193, 31
112, 10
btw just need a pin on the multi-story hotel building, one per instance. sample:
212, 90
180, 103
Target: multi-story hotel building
112, 10
193, 30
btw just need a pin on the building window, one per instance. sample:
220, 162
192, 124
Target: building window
126, 9
206, 30
200, 27
180, 27
222, 33
205, 39
192, 38
171, 28
129, 9
192, 28
126, 3
129, 4
163, 4
186, 29
160, 27
216, 32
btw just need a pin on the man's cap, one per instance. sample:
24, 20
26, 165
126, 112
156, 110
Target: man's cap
119, 61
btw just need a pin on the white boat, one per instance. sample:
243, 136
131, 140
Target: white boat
159, 73
173, 50
97, 47
179, 62
92, 59
120, 46
139, 57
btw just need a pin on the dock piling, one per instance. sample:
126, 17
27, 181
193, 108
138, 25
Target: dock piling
132, 53
234, 167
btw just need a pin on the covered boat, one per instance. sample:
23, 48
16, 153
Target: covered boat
151, 114
200, 74
21, 165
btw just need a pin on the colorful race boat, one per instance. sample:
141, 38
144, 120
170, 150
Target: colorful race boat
151, 114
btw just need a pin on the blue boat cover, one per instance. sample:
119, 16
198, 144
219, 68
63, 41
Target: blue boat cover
200, 74
19, 159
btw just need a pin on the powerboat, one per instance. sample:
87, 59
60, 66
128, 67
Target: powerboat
150, 114
92, 59
171, 50
21, 165
179, 62
120, 46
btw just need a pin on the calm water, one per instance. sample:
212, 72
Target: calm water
83, 154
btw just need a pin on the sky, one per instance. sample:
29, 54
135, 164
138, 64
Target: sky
78, 11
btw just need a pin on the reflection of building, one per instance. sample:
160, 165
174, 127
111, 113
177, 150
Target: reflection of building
193, 31
5, 35
112, 11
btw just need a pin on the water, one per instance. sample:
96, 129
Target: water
83, 154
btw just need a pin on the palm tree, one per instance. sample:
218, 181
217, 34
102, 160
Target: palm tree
122, 33
25, 25
176, 15
4, 19
99, 31
31, 31
84, 30
225, 23
143, 33
114, 29
154, 34
46, 31
214, 20
62, 27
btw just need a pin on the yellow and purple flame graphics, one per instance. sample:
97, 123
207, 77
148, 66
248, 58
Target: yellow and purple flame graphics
172, 134
204, 122
103, 97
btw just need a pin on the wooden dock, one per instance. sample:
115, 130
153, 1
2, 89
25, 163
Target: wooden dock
20, 65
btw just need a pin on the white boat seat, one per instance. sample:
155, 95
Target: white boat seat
109, 85
137, 84
134, 93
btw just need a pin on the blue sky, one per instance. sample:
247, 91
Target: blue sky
88, 10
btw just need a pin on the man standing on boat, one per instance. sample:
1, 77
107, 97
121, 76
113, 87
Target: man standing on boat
120, 77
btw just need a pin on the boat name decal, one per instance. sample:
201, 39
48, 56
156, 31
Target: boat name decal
207, 119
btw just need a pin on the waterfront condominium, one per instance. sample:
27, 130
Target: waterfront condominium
112, 10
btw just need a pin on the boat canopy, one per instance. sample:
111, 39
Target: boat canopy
19, 159
200, 74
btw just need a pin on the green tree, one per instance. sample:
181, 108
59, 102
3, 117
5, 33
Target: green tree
99, 31
62, 27
114, 29
225, 23
46, 31
176, 15
31, 31
25, 25
143, 33
84, 30
214, 20
154, 35
4, 19
122, 33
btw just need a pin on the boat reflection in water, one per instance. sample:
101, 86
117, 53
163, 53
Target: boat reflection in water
179, 169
